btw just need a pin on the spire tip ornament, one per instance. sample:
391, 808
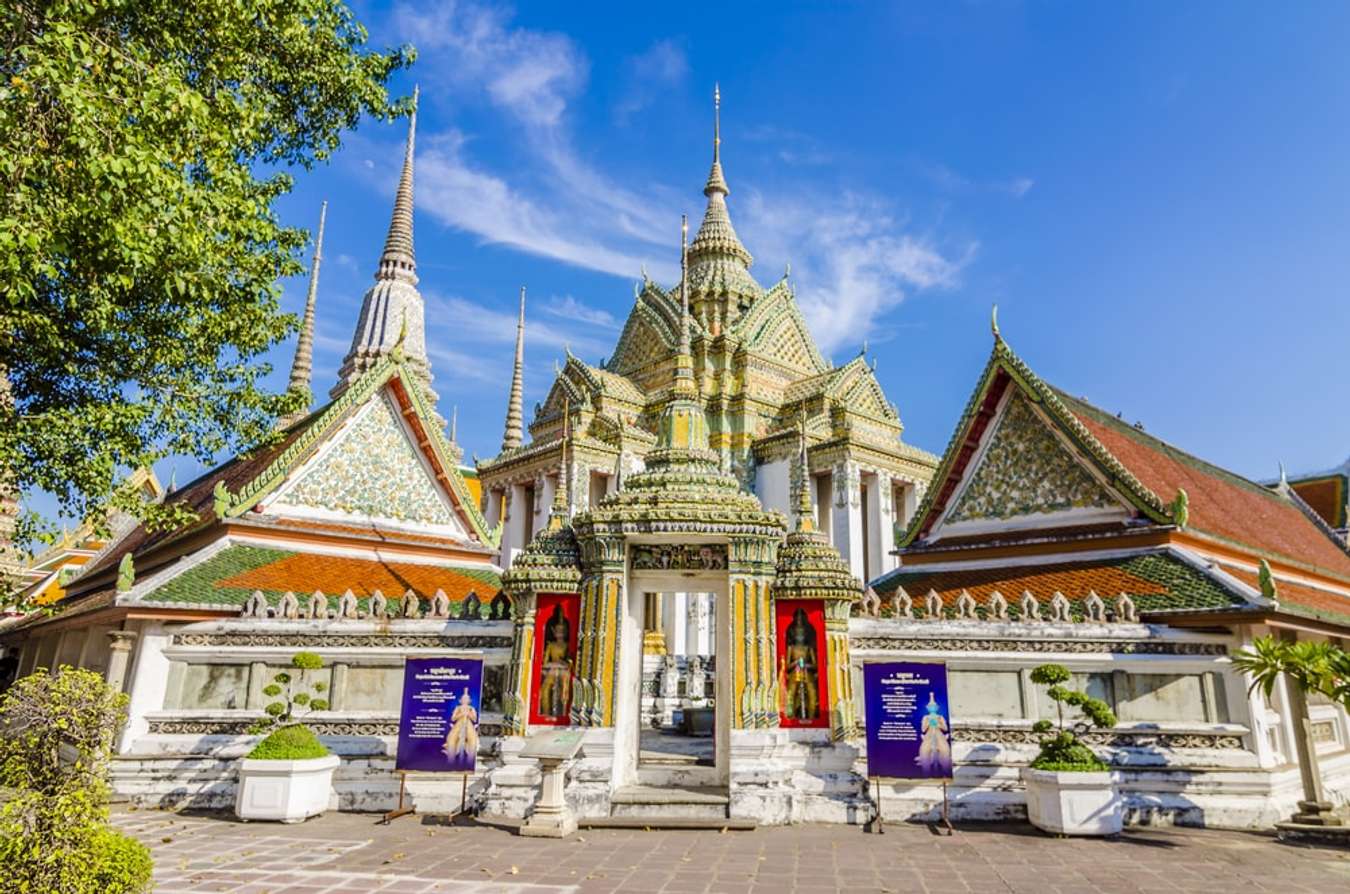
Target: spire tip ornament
993, 323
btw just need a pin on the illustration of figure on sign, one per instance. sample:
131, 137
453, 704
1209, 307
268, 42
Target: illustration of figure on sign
935, 753
461, 743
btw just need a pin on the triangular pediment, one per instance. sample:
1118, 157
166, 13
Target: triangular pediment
648, 335
775, 329
371, 470
1025, 474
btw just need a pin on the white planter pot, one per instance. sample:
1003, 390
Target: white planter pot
1072, 803
290, 791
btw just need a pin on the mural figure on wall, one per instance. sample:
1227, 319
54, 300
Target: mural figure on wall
461, 743
556, 671
935, 753
798, 670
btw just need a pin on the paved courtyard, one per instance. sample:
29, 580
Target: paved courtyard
341, 853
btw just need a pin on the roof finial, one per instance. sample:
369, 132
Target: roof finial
303, 364
1284, 478
993, 323
454, 423
717, 123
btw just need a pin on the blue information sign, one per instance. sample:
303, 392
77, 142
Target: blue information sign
438, 726
909, 730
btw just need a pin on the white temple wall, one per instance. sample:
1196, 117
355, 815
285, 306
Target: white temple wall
1191, 746
773, 486
196, 689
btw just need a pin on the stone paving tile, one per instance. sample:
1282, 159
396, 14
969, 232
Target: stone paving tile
349, 853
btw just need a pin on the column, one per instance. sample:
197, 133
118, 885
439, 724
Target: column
886, 539
119, 658
846, 521
544, 488
516, 698
513, 532
1314, 809
674, 620
149, 682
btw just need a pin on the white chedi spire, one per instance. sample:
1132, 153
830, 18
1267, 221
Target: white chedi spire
392, 310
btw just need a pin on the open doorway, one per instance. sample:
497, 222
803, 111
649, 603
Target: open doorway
678, 722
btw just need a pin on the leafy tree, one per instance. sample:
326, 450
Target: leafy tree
143, 144
1063, 751
1313, 666
58, 734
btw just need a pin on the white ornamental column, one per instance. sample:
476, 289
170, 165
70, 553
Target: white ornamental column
846, 521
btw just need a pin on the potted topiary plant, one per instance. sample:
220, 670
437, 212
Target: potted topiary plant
288, 776
1069, 789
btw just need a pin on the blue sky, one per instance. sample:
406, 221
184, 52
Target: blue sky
1155, 194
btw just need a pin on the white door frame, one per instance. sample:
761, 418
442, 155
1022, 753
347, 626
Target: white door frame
628, 701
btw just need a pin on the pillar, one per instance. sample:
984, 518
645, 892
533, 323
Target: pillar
149, 680
843, 708
750, 662
516, 698
846, 522
1314, 809
119, 658
602, 593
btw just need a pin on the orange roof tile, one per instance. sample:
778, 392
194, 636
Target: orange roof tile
1220, 503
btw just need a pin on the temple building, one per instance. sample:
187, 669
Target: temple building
672, 568
756, 371
1054, 531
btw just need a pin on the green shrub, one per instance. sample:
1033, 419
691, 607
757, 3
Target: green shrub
289, 743
118, 864
1062, 752
54, 833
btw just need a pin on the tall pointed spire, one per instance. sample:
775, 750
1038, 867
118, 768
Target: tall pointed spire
515, 417
392, 312
303, 364
398, 260
718, 259
562, 504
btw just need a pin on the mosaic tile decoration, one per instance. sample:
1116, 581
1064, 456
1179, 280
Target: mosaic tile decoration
374, 470
1027, 470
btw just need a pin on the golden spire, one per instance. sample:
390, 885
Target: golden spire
515, 417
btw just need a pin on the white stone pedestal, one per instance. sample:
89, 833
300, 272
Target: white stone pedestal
551, 817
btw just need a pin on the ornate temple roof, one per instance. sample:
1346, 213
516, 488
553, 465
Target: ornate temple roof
1029, 467
232, 489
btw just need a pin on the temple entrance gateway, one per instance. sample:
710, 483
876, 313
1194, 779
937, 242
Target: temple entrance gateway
679, 713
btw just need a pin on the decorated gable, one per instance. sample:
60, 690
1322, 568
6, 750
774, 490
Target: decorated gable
1026, 472
373, 471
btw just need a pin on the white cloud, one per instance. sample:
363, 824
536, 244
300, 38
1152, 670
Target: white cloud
532, 74
851, 262
853, 257
569, 308
661, 66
